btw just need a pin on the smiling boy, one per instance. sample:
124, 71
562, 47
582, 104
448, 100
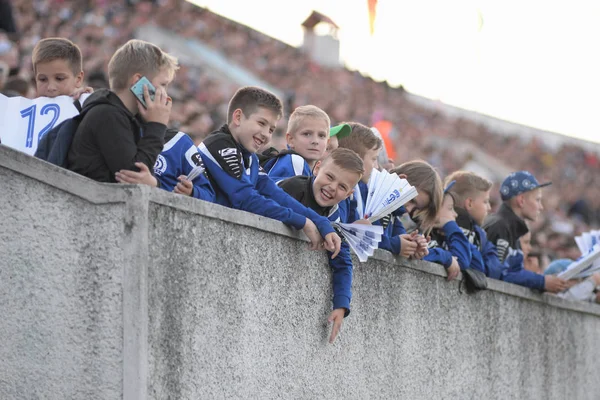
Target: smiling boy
333, 182
239, 182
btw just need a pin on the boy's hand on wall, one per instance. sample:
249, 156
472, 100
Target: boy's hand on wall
408, 246
336, 317
184, 186
144, 176
332, 243
311, 231
453, 269
554, 284
159, 109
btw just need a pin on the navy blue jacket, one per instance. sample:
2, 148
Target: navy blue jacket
286, 165
178, 157
300, 188
239, 182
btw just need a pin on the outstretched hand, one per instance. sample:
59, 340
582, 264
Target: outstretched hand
332, 243
336, 317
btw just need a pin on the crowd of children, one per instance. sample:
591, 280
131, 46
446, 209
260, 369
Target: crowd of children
320, 178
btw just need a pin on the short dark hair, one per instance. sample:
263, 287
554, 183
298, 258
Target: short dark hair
51, 49
467, 185
361, 139
346, 159
250, 98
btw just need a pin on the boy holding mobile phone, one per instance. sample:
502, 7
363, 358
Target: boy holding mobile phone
119, 131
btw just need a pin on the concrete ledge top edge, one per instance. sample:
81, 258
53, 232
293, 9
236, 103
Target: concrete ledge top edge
62, 179
104, 193
244, 218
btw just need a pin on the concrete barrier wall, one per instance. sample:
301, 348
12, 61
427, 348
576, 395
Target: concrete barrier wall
111, 291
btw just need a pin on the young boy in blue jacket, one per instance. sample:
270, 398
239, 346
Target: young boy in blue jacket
229, 155
472, 205
308, 136
449, 246
334, 179
177, 159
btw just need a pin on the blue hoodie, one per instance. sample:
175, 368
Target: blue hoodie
178, 157
286, 165
240, 183
300, 188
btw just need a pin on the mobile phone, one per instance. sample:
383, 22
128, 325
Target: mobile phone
138, 90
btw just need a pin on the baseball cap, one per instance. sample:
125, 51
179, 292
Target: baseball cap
452, 183
341, 131
519, 182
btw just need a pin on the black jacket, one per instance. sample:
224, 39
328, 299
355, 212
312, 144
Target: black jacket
300, 188
504, 229
110, 138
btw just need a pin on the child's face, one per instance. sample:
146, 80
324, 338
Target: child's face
332, 184
162, 79
254, 131
332, 144
369, 162
417, 204
479, 206
310, 140
447, 211
531, 206
55, 78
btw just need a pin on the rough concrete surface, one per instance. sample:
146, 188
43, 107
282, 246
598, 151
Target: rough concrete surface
111, 292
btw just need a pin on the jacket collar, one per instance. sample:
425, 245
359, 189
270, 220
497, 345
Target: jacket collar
517, 224
464, 219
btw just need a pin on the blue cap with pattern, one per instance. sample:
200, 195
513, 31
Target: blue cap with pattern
519, 182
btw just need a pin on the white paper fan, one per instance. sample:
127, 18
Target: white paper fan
195, 172
363, 239
585, 266
386, 193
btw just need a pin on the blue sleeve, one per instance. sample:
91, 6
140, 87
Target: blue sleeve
439, 256
342, 278
242, 195
287, 166
390, 240
203, 190
458, 244
515, 273
477, 260
269, 189
495, 269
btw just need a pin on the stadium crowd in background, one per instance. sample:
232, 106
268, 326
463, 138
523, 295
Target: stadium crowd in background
200, 105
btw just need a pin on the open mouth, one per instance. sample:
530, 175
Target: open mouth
326, 196
257, 143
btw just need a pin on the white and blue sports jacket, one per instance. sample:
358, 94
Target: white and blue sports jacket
239, 182
178, 157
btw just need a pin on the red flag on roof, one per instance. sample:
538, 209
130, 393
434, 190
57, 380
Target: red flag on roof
372, 12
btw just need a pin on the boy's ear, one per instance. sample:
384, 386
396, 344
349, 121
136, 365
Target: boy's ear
236, 117
134, 78
317, 166
79, 79
402, 176
289, 138
468, 204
